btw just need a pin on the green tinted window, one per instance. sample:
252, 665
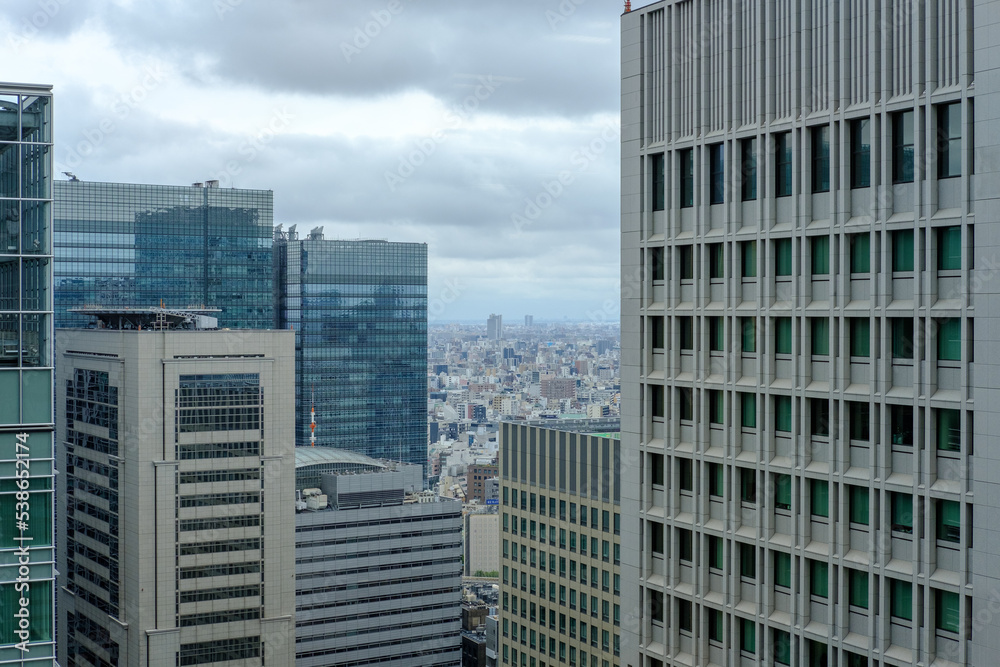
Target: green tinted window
902, 250
820, 246
949, 248
820, 336
783, 335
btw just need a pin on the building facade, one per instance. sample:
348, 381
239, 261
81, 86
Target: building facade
27, 556
494, 327
560, 555
476, 477
802, 247
377, 570
482, 543
124, 244
176, 528
359, 311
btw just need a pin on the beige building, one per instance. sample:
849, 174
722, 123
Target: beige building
176, 543
560, 522
482, 542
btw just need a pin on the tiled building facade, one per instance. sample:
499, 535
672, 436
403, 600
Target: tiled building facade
560, 553
800, 247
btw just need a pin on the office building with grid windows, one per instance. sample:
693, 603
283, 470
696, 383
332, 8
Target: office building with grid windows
359, 311
560, 546
176, 527
805, 226
126, 244
27, 555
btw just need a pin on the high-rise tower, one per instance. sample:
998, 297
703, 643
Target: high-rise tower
27, 572
807, 222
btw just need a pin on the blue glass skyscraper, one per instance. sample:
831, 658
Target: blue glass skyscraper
122, 244
27, 572
359, 309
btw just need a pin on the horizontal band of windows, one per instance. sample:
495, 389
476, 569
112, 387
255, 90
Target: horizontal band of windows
221, 546
221, 570
212, 499
377, 598
209, 618
222, 593
329, 558
383, 627
246, 521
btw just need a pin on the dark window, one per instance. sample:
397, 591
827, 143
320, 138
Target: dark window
901, 512
902, 147
716, 479
782, 648
716, 630
820, 335
861, 260
821, 159
782, 335
656, 263
902, 337
783, 164
783, 492
858, 498
748, 410
949, 250
715, 553
716, 407
782, 569
716, 261
685, 326
657, 331
820, 247
902, 250
717, 193
685, 474
949, 128
947, 611
748, 561
684, 615
685, 404
656, 536
748, 257
857, 582
716, 334
657, 167
656, 399
685, 549
949, 430
901, 424
949, 339
819, 418
859, 414
748, 326
686, 158
783, 257
949, 521
685, 256
861, 153
748, 188
783, 414
655, 469
748, 485
860, 336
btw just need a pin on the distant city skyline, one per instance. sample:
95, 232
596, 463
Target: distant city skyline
505, 162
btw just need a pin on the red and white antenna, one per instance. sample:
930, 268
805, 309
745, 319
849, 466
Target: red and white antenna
312, 423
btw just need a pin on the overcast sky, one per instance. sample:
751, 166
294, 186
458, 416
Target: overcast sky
488, 130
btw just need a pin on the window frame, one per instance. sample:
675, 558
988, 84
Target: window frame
820, 144
717, 174
861, 153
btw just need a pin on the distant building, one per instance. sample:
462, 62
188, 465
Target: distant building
529, 320
359, 310
558, 388
598, 411
494, 327
493, 491
378, 568
482, 542
476, 477
560, 525
174, 522
129, 245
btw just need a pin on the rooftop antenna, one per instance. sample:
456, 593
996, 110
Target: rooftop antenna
312, 423
628, 6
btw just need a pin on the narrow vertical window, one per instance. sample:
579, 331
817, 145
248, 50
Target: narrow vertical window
783, 257
782, 335
685, 255
783, 164
716, 407
748, 257
860, 336
949, 339
716, 261
861, 260
902, 147
659, 189
902, 250
748, 410
821, 159
783, 414
686, 158
820, 255
902, 337
949, 130
949, 250
657, 333
820, 336
748, 188
717, 178
861, 153
749, 329
716, 334
857, 582
656, 263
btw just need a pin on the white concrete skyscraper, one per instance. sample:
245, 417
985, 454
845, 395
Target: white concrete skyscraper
808, 220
